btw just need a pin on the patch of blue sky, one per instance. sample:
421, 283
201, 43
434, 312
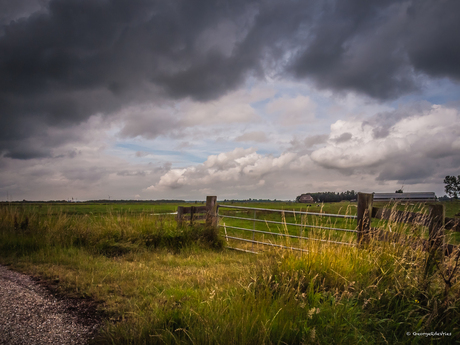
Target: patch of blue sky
266, 152
281, 89
291, 89
177, 155
261, 104
443, 91
142, 148
440, 91
323, 100
215, 148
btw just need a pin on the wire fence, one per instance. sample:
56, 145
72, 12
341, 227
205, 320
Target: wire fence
235, 220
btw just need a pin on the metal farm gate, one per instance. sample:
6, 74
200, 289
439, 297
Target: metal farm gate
217, 215
301, 226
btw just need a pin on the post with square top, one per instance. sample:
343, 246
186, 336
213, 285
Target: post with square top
365, 201
211, 211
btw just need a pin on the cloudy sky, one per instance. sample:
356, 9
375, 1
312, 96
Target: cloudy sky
145, 99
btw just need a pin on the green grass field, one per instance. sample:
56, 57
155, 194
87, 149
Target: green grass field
159, 284
94, 208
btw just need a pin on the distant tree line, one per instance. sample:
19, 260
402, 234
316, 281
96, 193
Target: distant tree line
166, 201
250, 200
102, 201
332, 196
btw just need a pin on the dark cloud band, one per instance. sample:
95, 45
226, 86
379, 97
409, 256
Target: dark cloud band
72, 59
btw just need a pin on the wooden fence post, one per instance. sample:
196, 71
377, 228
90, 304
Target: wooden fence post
179, 216
365, 201
192, 214
436, 227
435, 239
211, 211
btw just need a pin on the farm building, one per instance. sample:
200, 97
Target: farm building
306, 198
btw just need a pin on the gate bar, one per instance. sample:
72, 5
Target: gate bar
267, 244
288, 211
286, 235
294, 224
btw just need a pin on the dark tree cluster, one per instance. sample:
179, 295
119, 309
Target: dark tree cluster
452, 187
332, 196
250, 200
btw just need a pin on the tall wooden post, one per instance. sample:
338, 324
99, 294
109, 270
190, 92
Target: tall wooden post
211, 211
193, 210
436, 226
365, 201
435, 240
180, 215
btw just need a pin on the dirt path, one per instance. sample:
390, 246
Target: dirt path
30, 314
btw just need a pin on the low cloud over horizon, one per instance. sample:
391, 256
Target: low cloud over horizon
148, 99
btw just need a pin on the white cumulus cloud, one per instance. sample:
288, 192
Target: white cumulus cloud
412, 147
240, 168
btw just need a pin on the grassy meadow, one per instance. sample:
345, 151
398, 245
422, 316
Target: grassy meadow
159, 284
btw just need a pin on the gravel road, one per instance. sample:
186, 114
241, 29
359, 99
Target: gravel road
30, 314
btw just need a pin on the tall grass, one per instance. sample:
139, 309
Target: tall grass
160, 284
24, 231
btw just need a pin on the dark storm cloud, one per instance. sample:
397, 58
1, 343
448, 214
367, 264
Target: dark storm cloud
379, 47
12, 10
78, 58
72, 59
353, 47
407, 169
433, 43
